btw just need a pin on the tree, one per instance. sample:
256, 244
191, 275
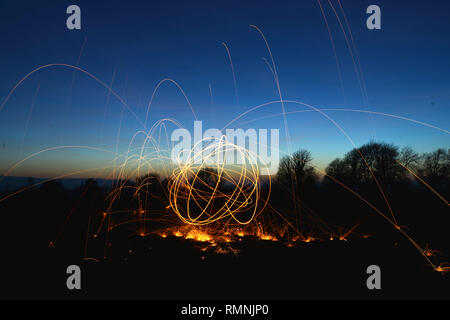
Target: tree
361, 164
409, 158
436, 165
296, 169
339, 170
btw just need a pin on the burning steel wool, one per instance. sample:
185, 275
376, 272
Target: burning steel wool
201, 194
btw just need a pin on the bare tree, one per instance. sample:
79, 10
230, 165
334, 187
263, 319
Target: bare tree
409, 158
360, 164
295, 169
436, 164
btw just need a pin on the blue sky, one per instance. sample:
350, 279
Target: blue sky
135, 44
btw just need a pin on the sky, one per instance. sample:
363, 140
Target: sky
131, 46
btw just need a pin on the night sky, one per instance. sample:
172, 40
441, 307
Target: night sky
133, 45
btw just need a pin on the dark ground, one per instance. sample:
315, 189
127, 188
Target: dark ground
172, 268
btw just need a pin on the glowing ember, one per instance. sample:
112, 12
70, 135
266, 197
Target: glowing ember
198, 235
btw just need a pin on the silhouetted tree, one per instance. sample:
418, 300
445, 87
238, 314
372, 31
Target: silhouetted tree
360, 164
409, 158
295, 181
296, 169
435, 167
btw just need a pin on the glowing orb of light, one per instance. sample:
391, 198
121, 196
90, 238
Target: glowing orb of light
219, 182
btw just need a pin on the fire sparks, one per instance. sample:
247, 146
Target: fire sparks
430, 252
443, 268
213, 237
199, 236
